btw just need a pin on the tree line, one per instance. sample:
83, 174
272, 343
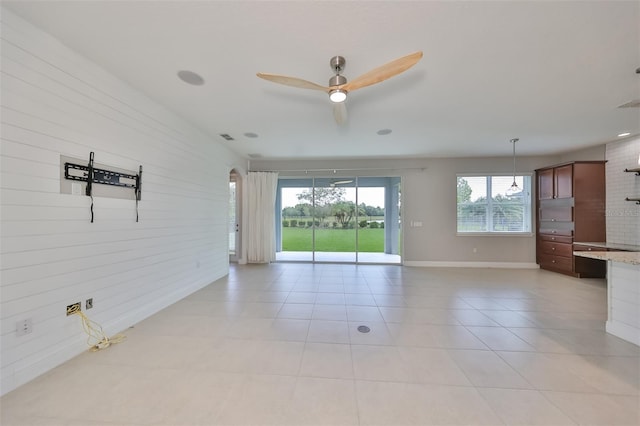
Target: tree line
324, 203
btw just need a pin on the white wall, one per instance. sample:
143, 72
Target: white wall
593, 153
55, 102
623, 217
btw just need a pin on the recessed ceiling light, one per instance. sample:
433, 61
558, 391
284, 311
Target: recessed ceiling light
622, 135
251, 135
383, 132
191, 77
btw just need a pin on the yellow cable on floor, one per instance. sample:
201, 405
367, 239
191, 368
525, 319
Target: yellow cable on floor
97, 340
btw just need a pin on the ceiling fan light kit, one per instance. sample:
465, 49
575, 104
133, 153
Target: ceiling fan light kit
338, 85
337, 95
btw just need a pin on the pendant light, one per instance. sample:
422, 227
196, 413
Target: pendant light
514, 188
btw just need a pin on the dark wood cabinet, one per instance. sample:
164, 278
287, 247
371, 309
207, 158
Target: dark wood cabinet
589, 268
571, 208
545, 184
557, 214
563, 181
555, 182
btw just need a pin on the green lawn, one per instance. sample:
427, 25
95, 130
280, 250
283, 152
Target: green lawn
339, 240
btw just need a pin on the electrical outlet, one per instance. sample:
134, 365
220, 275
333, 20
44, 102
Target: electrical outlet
88, 304
73, 308
24, 327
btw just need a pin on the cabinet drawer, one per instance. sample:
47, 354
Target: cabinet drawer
558, 249
556, 214
556, 231
560, 263
581, 247
556, 238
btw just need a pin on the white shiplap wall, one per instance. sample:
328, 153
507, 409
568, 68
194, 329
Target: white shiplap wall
623, 217
55, 102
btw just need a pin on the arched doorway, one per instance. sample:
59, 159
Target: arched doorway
235, 215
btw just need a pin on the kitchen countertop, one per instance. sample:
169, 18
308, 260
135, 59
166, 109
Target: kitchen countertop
610, 246
630, 257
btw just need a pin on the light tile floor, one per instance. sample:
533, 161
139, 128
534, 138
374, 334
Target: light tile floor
278, 344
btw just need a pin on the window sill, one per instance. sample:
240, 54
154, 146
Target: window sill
495, 234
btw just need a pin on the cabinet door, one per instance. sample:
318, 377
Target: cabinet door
563, 179
545, 184
556, 214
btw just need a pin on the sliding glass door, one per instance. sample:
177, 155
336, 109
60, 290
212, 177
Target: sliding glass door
379, 221
339, 219
336, 215
294, 229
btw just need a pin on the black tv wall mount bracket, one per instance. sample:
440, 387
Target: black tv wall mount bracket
89, 174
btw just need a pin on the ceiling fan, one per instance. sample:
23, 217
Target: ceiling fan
333, 184
338, 87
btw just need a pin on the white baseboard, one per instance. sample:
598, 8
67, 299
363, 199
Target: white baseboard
448, 264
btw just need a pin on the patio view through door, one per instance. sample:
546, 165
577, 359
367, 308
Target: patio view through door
339, 219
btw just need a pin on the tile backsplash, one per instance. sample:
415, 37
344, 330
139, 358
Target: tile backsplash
623, 217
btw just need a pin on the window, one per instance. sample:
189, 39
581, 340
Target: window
485, 205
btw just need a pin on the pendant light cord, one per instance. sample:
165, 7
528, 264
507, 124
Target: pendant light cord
514, 185
514, 158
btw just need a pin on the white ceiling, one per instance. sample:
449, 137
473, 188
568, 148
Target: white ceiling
550, 73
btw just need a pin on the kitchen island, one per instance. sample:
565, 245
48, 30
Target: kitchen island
623, 292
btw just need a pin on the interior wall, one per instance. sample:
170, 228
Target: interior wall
431, 199
594, 153
623, 217
55, 102
429, 196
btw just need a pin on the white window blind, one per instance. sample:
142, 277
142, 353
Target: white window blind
485, 205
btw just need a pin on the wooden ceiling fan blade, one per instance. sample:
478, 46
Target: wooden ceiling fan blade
340, 112
383, 72
292, 81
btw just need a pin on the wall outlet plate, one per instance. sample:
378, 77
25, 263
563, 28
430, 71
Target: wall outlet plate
24, 327
73, 308
89, 303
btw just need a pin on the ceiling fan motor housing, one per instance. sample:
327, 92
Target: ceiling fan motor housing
337, 80
337, 64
